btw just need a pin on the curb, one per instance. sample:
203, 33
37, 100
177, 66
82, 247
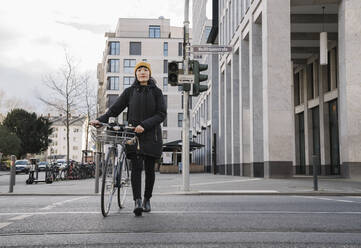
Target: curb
47, 194
310, 193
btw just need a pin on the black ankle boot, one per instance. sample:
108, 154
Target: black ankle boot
138, 207
146, 205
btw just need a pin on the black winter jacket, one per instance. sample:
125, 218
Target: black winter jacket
146, 107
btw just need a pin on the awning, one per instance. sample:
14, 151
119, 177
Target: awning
176, 146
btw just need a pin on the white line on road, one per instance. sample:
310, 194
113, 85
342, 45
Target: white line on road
4, 224
189, 212
326, 199
218, 182
21, 217
61, 203
238, 191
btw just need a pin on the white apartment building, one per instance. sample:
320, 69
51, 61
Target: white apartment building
134, 40
57, 147
279, 110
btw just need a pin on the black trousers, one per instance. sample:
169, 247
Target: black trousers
136, 177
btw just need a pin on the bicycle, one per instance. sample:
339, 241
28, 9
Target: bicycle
115, 176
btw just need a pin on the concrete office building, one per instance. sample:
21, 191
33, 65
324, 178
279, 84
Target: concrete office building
134, 40
276, 105
204, 115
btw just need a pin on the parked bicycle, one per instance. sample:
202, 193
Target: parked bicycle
115, 169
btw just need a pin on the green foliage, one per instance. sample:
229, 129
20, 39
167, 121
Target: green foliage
9, 142
32, 131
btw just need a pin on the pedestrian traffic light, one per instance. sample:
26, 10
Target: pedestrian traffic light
196, 68
173, 72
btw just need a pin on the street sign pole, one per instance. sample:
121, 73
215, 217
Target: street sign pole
185, 133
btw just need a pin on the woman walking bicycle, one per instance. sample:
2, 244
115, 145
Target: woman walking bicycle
146, 111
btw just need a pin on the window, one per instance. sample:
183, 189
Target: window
297, 88
165, 84
165, 134
329, 87
76, 130
75, 148
145, 60
165, 99
180, 49
310, 83
113, 65
165, 49
125, 118
154, 31
113, 83
128, 65
180, 119
111, 100
182, 101
135, 48
165, 66
165, 122
128, 81
114, 48
207, 32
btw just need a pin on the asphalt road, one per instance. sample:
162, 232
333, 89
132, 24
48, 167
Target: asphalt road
182, 221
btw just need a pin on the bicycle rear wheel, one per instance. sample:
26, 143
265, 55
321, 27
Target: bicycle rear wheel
124, 180
108, 188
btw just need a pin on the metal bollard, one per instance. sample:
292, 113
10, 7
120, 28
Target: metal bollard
97, 164
12, 174
315, 172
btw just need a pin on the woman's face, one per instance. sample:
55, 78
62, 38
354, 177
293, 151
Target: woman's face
142, 74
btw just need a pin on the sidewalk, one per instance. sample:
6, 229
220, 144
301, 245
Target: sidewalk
202, 184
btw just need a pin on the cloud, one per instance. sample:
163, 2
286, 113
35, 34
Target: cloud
94, 28
44, 40
8, 37
19, 84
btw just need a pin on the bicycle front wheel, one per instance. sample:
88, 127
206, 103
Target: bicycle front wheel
124, 184
108, 188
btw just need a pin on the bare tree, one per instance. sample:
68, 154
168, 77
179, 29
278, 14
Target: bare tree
89, 96
67, 88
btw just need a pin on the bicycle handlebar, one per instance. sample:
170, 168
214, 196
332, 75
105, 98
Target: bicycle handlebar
117, 127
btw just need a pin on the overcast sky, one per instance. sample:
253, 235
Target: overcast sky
33, 35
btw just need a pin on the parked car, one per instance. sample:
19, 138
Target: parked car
42, 165
22, 166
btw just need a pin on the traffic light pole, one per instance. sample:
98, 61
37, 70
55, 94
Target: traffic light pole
185, 133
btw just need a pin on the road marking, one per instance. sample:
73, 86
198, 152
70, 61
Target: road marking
326, 199
238, 191
56, 204
189, 212
4, 224
218, 182
21, 217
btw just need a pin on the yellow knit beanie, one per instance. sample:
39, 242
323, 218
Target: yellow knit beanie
142, 64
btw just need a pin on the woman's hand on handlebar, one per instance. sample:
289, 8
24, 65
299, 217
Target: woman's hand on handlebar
95, 123
139, 129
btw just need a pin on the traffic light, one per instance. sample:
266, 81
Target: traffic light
173, 72
196, 68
